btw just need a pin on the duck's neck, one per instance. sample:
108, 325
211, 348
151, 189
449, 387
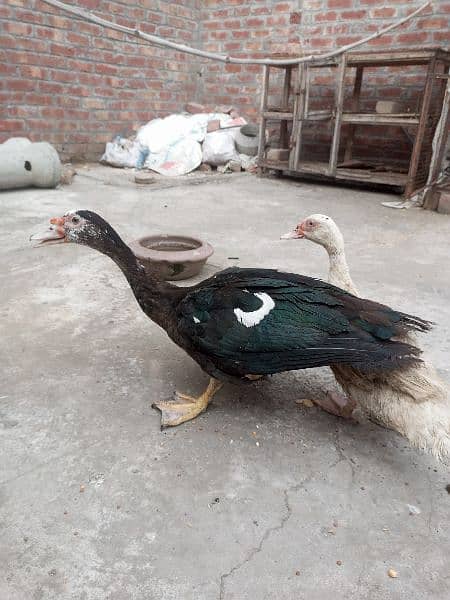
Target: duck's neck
339, 273
152, 294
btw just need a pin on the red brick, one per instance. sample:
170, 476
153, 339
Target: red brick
282, 7
21, 85
5, 12
65, 76
230, 46
105, 69
59, 21
33, 72
28, 16
276, 21
254, 22
62, 50
17, 28
77, 39
233, 68
47, 60
413, 37
385, 12
347, 39
230, 24
433, 23
10, 125
340, 3
21, 111
89, 28
241, 34
220, 14
34, 45
385, 41
353, 15
7, 69
214, 25
50, 33
321, 42
219, 35
442, 37
53, 112
50, 87
34, 98
79, 65
262, 33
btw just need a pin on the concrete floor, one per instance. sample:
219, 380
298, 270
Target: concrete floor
260, 498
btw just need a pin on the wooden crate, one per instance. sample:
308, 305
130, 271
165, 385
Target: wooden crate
293, 114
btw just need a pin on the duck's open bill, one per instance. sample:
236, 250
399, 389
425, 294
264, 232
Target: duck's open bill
293, 235
53, 235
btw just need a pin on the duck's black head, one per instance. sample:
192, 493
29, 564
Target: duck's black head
82, 227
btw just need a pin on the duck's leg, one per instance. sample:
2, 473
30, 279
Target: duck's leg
337, 404
184, 408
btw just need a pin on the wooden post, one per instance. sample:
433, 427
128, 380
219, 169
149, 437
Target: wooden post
262, 122
285, 107
354, 108
423, 122
299, 116
439, 146
292, 142
339, 102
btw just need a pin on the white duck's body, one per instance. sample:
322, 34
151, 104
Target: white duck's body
413, 401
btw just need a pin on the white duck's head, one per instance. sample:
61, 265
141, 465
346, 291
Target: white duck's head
320, 229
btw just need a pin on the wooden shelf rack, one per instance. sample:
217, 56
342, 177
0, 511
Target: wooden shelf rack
294, 112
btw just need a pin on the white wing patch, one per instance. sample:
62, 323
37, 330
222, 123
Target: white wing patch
196, 320
252, 318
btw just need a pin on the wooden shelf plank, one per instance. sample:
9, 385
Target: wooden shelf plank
415, 56
322, 169
381, 119
280, 165
319, 115
278, 116
384, 177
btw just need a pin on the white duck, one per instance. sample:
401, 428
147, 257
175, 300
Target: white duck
413, 400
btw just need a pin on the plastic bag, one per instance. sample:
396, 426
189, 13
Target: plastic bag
219, 148
179, 159
121, 152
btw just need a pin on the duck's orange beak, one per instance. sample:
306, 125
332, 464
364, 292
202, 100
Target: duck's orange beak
55, 234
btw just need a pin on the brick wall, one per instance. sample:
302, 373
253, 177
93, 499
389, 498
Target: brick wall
315, 26
75, 84
63, 80
303, 26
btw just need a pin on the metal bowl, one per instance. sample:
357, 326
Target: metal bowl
172, 257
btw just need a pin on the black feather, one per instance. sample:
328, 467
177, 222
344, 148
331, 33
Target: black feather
312, 324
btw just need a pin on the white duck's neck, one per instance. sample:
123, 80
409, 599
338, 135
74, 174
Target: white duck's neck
339, 273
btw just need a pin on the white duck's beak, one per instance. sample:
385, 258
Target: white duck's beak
297, 234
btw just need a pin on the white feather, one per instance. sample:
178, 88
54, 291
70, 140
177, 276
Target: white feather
252, 318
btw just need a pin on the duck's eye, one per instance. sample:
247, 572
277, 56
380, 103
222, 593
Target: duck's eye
311, 223
75, 219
